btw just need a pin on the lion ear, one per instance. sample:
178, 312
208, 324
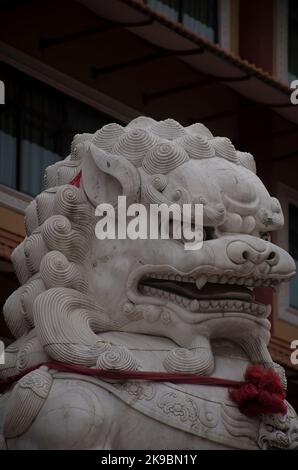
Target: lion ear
106, 176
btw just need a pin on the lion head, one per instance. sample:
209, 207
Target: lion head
78, 294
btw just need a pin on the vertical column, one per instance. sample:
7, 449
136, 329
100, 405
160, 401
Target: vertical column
256, 32
255, 136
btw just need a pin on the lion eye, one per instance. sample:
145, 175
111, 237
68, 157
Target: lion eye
266, 236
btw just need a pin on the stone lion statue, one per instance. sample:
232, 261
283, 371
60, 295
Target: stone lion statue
143, 305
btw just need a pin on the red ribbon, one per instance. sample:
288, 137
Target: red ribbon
261, 392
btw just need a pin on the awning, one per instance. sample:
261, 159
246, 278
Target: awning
212, 63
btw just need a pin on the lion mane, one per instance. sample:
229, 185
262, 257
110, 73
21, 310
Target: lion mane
52, 314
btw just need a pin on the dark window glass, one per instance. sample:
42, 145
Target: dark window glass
37, 124
293, 248
199, 16
293, 39
169, 8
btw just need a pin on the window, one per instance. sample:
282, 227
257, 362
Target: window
293, 249
199, 16
37, 124
287, 238
293, 39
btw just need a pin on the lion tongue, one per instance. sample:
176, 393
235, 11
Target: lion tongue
209, 291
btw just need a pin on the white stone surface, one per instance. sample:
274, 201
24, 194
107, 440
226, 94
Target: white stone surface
91, 302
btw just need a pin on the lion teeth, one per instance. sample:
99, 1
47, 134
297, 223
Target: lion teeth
261, 309
210, 306
201, 281
194, 306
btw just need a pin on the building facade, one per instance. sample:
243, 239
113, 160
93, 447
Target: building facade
74, 65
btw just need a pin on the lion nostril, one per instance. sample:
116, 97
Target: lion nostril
271, 255
245, 255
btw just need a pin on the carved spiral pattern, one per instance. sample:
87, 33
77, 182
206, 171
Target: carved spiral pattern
134, 145
60, 173
67, 197
225, 149
30, 354
106, 137
185, 360
34, 250
57, 233
141, 122
45, 205
159, 182
31, 218
117, 358
197, 146
247, 160
56, 270
19, 263
55, 229
78, 139
67, 172
164, 158
199, 129
67, 321
12, 311
168, 129
25, 402
29, 293
208, 415
71, 202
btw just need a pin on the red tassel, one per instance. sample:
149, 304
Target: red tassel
76, 181
261, 393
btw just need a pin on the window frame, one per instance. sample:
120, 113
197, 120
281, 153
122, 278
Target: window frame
69, 86
223, 33
29, 105
281, 42
286, 196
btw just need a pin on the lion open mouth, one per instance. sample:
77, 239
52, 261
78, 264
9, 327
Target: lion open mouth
209, 291
211, 297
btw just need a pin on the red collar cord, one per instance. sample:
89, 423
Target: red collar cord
261, 393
